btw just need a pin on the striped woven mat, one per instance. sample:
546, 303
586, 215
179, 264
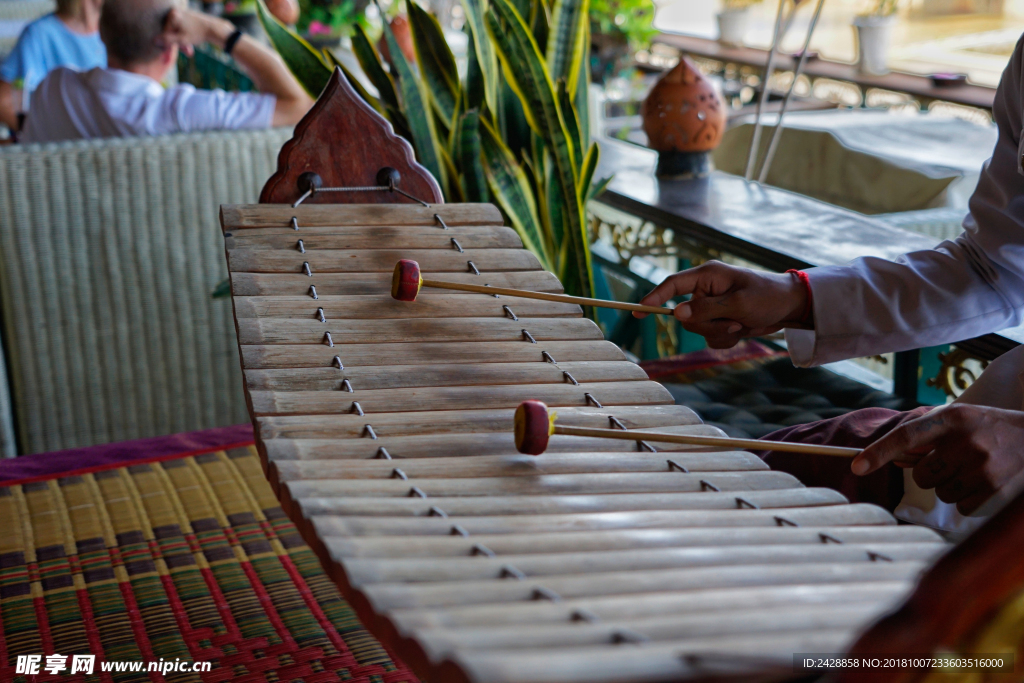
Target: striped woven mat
134, 553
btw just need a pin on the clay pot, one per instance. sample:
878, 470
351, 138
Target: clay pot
403, 36
286, 11
683, 112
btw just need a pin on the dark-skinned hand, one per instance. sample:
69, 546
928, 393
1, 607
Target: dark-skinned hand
729, 303
965, 452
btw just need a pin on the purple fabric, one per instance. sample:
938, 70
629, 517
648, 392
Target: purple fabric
855, 430
111, 454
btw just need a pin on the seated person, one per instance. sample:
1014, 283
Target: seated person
964, 453
68, 37
142, 38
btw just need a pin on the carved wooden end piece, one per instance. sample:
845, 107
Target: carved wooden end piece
344, 141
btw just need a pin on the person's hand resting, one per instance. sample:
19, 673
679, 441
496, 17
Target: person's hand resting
186, 28
965, 452
731, 303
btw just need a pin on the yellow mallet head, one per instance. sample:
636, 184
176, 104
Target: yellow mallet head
533, 425
406, 282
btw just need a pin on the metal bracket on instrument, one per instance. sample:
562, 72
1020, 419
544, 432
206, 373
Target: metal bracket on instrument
496, 296
509, 313
744, 503
510, 572
568, 376
337, 363
875, 557
673, 465
708, 486
646, 446
480, 549
301, 247
347, 386
782, 521
387, 181
399, 474
416, 492
382, 454
295, 223
328, 339
320, 315
584, 615
357, 409
435, 511
529, 337
458, 247
473, 268
368, 429
458, 531
548, 357
312, 291
542, 593
444, 226
306, 269
590, 399
624, 636
828, 538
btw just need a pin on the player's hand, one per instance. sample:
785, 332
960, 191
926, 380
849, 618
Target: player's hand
731, 303
966, 453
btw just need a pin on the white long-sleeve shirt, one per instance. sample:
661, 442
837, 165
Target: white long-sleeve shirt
961, 289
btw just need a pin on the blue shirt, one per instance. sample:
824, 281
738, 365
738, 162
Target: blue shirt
44, 45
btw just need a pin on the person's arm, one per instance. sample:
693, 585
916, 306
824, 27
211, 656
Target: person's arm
960, 289
263, 65
10, 105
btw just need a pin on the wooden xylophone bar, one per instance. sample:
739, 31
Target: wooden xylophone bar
385, 428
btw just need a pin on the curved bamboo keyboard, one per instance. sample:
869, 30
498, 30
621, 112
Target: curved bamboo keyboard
386, 429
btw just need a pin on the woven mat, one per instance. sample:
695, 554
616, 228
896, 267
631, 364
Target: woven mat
182, 556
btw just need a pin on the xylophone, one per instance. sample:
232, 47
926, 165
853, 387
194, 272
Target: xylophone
385, 427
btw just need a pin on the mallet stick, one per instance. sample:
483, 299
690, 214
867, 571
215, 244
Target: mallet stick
533, 424
717, 441
407, 282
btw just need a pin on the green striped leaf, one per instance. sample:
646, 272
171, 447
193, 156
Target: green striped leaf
474, 182
565, 47
486, 62
513, 192
370, 63
437, 65
414, 106
300, 57
526, 73
587, 171
572, 124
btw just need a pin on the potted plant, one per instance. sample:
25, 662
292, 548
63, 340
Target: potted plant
732, 21
874, 32
618, 28
324, 22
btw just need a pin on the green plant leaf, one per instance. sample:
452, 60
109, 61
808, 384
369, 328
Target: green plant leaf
222, 290
437, 65
414, 106
474, 183
582, 93
302, 59
526, 73
540, 22
597, 188
452, 191
565, 47
587, 171
372, 66
513, 192
484, 53
572, 124
474, 90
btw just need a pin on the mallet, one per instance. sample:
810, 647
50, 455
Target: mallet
407, 281
534, 424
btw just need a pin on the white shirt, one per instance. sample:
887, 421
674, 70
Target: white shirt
962, 288
103, 103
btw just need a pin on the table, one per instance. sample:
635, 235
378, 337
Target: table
767, 226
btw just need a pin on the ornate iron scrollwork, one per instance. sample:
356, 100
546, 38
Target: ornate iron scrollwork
954, 377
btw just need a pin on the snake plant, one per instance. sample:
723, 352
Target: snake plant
513, 129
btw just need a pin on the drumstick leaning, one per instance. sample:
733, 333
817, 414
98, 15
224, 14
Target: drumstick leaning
534, 424
407, 281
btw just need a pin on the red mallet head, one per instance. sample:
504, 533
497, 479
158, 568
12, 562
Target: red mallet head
406, 282
533, 426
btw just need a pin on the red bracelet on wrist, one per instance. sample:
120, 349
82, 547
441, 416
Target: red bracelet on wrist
805, 315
